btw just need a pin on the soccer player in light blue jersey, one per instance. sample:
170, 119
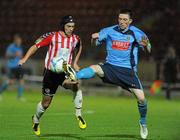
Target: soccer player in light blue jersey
122, 43
14, 53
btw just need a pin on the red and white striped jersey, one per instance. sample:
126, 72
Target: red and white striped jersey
59, 46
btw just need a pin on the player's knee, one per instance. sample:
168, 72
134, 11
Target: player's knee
97, 70
75, 88
139, 95
45, 105
142, 100
21, 82
70, 85
94, 68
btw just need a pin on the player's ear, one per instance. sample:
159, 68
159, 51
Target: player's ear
130, 21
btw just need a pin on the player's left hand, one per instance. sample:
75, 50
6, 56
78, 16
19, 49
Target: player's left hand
21, 61
18, 54
95, 35
144, 41
76, 67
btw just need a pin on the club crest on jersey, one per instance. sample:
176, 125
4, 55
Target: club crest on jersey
118, 45
128, 38
47, 90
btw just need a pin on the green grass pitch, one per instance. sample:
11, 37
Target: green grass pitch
108, 118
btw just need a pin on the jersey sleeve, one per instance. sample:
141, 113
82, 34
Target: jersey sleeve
102, 36
44, 40
78, 41
10, 50
138, 35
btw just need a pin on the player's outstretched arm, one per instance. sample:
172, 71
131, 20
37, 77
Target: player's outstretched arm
30, 52
94, 37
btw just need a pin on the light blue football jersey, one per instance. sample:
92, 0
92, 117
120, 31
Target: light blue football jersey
121, 46
12, 50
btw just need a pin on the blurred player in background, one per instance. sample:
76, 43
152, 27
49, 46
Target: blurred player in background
14, 53
62, 44
169, 70
122, 43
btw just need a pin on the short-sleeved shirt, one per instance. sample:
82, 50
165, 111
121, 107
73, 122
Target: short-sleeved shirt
121, 46
14, 54
59, 46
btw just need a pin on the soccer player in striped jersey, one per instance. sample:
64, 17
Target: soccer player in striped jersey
122, 43
62, 44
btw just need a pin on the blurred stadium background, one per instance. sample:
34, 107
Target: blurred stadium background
32, 18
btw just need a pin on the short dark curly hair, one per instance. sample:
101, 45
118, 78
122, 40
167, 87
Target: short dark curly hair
126, 11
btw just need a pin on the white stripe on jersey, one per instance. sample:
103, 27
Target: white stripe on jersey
62, 50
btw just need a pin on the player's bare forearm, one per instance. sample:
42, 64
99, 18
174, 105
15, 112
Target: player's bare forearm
149, 47
77, 56
93, 42
30, 52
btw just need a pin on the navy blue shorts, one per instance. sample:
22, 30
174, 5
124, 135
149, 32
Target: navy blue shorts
120, 76
15, 73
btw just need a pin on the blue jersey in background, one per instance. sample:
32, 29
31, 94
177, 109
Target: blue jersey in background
14, 54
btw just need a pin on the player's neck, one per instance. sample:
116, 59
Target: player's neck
64, 34
123, 30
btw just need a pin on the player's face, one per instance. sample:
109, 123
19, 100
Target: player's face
18, 41
124, 21
69, 28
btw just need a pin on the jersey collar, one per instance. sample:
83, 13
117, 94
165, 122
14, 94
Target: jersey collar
117, 28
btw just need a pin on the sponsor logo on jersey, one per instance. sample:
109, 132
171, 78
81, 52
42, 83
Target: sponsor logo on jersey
119, 45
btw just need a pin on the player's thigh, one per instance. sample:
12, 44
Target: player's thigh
98, 70
50, 83
139, 93
17, 73
11, 73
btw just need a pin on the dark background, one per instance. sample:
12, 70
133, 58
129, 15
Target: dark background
32, 18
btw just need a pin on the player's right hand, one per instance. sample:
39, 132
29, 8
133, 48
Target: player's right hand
21, 61
144, 41
76, 67
95, 35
